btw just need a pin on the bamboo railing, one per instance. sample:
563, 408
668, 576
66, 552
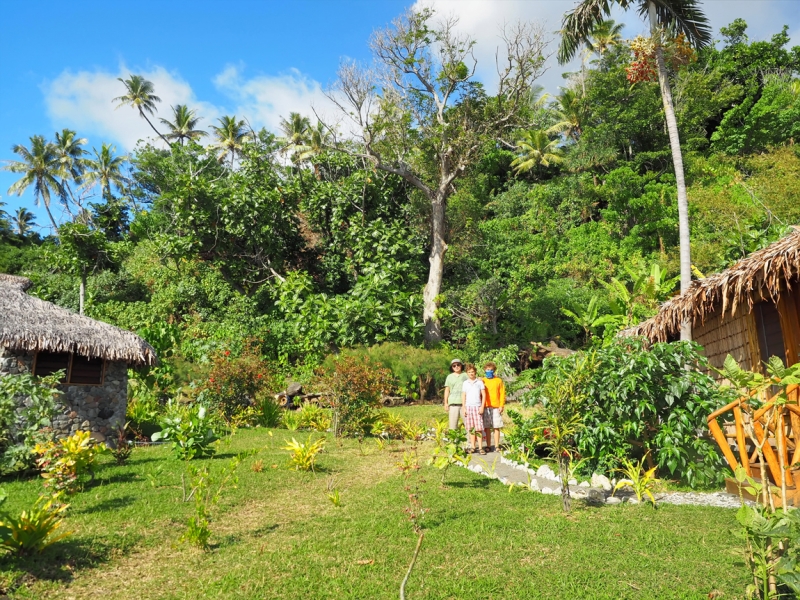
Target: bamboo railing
775, 428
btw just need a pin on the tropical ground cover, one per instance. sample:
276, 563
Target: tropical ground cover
277, 535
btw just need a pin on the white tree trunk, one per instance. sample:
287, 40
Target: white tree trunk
82, 290
677, 161
433, 328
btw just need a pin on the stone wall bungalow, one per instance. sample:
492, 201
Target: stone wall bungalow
41, 338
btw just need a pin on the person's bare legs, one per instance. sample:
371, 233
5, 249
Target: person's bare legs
496, 439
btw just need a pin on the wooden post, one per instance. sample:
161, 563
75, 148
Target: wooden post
723, 443
740, 440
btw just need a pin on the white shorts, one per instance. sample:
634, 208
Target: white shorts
492, 419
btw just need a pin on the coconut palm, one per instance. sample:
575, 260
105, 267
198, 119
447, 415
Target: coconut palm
673, 17
69, 152
604, 36
183, 126
105, 170
140, 96
40, 169
571, 112
23, 221
296, 133
535, 148
230, 137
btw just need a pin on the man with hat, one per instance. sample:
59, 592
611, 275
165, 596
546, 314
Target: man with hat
452, 391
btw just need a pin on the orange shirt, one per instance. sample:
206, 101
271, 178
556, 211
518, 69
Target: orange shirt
495, 392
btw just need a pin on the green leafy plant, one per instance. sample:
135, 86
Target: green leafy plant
24, 424
314, 417
390, 426
334, 497
448, 448
206, 491
290, 419
304, 454
143, 410
63, 462
640, 480
124, 447
191, 431
35, 529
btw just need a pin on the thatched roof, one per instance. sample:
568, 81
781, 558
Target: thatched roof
764, 274
28, 323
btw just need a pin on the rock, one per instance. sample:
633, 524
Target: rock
545, 472
613, 500
579, 494
584, 484
595, 495
534, 486
572, 482
294, 389
85, 425
503, 480
549, 491
601, 481
98, 436
633, 501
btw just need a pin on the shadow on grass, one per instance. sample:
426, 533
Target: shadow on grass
116, 478
107, 505
59, 563
473, 483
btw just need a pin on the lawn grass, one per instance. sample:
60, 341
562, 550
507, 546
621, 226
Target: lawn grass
277, 535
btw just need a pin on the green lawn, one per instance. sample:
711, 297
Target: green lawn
277, 535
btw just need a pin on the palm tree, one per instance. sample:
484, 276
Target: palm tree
571, 112
40, 168
183, 126
141, 97
69, 151
535, 148
604, 36
105, 169
674, 17
296, 133
230, 137
24, 220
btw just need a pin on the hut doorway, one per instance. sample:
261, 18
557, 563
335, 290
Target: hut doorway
770, 333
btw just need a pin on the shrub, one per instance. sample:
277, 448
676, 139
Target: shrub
356, 389
143, 410
313, 417
235, 382
191, 431
63, 462
23, 425
304, 454
206, 491
33, 530
124, 447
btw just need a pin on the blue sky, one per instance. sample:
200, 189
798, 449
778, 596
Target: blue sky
257, 59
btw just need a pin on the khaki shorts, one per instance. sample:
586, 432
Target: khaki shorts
454, 413
492, 419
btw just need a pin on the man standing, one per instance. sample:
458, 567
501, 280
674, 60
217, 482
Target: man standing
452, 391
495, 404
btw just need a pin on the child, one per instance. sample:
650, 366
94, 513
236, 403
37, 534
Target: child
474, 399
452, 391
495, 403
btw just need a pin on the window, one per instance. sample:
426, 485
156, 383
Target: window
48, 363
78, 370
86, 370
770, 334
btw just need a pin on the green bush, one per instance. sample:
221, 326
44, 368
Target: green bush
23, 425
641, 399
191, 430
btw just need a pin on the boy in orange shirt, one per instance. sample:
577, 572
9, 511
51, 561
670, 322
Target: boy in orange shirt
495, 404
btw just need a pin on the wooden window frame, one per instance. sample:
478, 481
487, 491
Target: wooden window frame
68, 374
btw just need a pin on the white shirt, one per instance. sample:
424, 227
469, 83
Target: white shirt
473, 388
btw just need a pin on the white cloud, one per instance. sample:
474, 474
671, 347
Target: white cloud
83, 101
264, 99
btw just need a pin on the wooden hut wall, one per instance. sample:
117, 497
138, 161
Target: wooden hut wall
734, 335
789, 311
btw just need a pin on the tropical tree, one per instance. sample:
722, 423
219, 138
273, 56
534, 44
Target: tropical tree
69, 153
23, 221
572, 112
40, 169
183, 126
665, 17
230, 137
604, 36
535, 148
295, 134
140, 96
105, 170
426, 120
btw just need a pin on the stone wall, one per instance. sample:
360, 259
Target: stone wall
96, 408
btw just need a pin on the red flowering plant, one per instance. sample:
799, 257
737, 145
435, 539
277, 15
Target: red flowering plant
677, 52
236, 383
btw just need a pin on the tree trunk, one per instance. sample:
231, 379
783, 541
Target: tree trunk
141, 112
49, 214
566, 500
82, 290
433, 328
677, 161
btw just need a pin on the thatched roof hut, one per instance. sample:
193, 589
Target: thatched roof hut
33, 325
751, 310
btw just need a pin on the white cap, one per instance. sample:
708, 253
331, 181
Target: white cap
456, 360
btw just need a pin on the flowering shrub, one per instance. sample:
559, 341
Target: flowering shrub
64, 461
235, 382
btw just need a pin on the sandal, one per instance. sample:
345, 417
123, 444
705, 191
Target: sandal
482, 451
